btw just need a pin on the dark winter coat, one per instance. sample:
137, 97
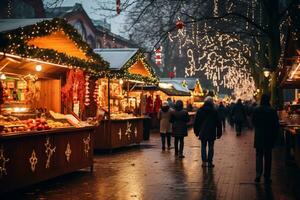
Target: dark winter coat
179, 120
222, 111
207, 125
239, 113
266, 124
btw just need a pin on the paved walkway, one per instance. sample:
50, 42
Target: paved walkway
149, 173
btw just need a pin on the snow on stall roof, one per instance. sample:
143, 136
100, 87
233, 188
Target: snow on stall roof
116, 57
190, 81
12, 24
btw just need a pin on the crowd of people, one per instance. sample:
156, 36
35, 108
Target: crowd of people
210, 123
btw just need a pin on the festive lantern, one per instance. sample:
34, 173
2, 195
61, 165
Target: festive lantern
179, 24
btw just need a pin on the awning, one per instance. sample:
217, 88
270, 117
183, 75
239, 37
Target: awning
289, 74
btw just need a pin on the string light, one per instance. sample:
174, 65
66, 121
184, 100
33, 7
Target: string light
19, 46
222, 58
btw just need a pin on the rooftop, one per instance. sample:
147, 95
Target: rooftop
116, 57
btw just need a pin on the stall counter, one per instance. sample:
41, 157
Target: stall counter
115, 133
30, 157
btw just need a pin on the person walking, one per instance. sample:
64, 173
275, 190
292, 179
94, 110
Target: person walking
165, 128
239, 116
179, 120
207, 127
222, 114
266, 125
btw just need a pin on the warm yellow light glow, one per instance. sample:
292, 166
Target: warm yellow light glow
34, 60
267, 73
3, 77
17, 109
165, 85
38, 68
294, 72
121, 81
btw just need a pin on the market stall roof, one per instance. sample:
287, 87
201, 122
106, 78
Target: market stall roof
128, 63
191, 82
173, 88
289, 75
51, 42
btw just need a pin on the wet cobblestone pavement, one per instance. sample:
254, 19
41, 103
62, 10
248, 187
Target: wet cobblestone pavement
146, 172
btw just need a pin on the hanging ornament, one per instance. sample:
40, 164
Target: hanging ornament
96, 93
158, 56
179, 24
171, 74
118, 6
184, 84
87, 92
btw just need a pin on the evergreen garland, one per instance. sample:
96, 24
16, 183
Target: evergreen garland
18, 45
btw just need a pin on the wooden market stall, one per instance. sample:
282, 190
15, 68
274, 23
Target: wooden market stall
37, 142
124, 122
173, 89
289, 77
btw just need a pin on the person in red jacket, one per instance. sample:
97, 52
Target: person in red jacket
149, 105
157, 104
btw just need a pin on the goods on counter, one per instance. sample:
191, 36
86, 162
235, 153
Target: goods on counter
55, 124
121, 116
13, 124
38, 124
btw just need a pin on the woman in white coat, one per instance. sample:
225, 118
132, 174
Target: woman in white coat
165, 127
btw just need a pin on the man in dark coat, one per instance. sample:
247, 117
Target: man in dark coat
207, 127
239, 116
222, 114
179, 119
266, 124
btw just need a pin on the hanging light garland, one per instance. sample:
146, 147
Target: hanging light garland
96, 93
87, 92
222, 58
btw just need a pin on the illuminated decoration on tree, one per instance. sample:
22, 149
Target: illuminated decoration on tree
18, 46
171, 74
179, 24
9, 8
216, 11
221, 57
158, 56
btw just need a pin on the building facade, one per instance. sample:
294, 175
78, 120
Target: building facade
95, 32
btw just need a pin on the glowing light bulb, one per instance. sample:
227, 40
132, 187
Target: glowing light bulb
3, 77
38, 68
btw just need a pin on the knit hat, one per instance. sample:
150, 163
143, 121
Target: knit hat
209, 99
165, 103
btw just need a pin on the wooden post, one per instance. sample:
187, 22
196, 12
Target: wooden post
109, 120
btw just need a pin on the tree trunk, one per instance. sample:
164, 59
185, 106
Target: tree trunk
274, 56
